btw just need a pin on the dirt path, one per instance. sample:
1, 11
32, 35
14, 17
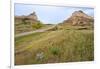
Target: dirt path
31, 32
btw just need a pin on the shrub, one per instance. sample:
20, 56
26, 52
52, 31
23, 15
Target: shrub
37, 25
55, 50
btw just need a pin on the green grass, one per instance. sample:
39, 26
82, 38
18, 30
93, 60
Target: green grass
54, 47
69, 27
27, 26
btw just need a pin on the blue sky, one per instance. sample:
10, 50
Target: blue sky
50, 14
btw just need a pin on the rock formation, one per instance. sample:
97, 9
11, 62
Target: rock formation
25, 23
79, 18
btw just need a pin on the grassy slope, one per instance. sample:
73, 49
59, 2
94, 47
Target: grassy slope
55, 46
21, 27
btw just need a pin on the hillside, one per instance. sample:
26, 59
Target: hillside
78, 20
70, 41
27, 23
54, 47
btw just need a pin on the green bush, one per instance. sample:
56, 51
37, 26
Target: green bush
55, 50
37, 25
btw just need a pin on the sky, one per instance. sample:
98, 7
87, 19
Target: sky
50, 14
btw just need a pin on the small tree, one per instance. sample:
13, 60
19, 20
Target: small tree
37, 25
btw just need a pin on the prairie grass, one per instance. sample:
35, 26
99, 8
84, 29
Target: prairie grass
54, 47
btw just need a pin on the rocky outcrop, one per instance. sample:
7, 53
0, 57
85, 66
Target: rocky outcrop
25, 23
79, 18
29, 18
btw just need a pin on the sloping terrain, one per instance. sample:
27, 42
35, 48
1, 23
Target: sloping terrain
78, 19
54, 46
27, 23
69, 41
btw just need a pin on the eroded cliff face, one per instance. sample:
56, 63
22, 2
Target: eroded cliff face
79, 18
30, 17
25, 23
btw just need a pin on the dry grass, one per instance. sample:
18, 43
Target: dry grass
54, 47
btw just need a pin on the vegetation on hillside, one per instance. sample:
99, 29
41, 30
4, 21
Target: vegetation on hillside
54, 46
26, 26
37, 25
69, 41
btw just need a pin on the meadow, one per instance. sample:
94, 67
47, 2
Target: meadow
58, 46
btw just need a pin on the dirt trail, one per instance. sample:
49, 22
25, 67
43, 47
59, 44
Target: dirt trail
31, 32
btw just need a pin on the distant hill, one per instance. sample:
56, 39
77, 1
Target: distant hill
79, 18
27, 23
